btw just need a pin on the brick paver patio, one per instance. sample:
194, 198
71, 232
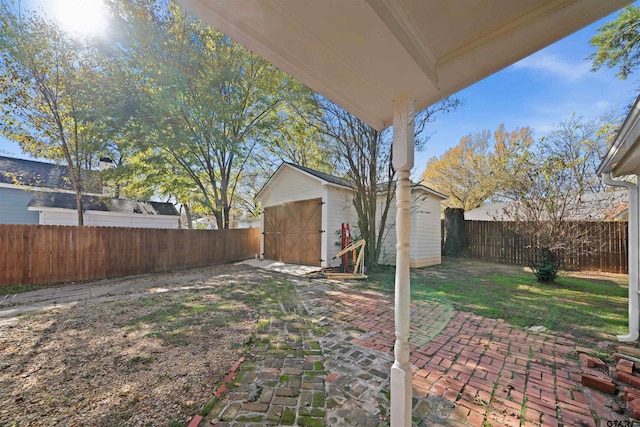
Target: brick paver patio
322, 352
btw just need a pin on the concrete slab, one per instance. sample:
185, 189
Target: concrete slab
281, 267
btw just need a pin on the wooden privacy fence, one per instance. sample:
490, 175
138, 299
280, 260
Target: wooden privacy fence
50, 253
496, 241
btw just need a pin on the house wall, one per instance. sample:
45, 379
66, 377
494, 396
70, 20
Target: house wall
108, 219
13, 207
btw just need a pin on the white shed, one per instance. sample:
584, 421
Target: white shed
303, 212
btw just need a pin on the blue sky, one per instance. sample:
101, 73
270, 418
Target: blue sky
539, 91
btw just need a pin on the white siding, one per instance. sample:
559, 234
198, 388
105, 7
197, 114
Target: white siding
340, 210
425, 231
109, 219
388, 250
290, 185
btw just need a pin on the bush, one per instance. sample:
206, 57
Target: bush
545, 267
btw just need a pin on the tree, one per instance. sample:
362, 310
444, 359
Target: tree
364, 155
473, 171
618, 43
47, 83
549, 191
213, 102
581, 144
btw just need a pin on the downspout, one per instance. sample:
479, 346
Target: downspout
634, 257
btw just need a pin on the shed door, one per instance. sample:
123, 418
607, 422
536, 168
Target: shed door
293, 232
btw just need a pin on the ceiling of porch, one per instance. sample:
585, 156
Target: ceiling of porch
363, 54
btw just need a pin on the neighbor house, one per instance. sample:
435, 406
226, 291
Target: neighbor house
33, 192
304, 210
605, 206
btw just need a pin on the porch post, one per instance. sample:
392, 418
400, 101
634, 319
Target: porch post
401, 387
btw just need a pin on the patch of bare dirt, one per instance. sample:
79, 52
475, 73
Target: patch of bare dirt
151, 361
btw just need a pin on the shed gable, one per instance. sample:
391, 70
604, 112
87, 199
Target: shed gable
290, 185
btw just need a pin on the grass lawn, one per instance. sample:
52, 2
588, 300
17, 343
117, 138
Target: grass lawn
584, 306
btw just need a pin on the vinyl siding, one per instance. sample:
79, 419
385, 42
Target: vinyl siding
340, 210
13, 207
388, 250
290, 185
425, 231
102, 219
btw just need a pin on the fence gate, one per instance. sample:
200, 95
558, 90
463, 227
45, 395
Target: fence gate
293, 232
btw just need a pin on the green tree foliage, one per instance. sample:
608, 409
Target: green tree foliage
208, 105
48, 81
618, 43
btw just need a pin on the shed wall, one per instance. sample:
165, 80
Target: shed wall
340, 210
425, 231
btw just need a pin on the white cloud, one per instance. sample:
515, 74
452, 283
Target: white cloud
556, 66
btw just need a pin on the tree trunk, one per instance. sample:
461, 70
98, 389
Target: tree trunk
79, 209
187, 213
455, 236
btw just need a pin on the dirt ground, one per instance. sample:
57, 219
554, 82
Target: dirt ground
155, 360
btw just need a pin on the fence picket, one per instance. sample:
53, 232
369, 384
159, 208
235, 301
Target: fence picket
494, 241
50, 253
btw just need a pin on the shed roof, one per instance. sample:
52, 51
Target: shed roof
340, 182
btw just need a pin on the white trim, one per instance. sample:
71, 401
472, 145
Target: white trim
32, 189
110, 213
259, 194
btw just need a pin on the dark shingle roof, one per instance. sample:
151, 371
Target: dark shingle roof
34, 174
323, 176
105, 204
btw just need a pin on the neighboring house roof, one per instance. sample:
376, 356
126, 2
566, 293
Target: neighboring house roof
609, 205
55, 200
31, 173
491, 212
341, 182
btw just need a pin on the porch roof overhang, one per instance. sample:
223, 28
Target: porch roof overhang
364, 54
623, 158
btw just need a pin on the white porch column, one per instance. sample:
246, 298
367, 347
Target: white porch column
401, 389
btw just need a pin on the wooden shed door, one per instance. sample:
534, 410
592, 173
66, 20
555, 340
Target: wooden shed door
292, 232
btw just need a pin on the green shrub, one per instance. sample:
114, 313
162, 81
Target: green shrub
545, 267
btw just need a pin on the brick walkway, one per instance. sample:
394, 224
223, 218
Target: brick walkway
324, 360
